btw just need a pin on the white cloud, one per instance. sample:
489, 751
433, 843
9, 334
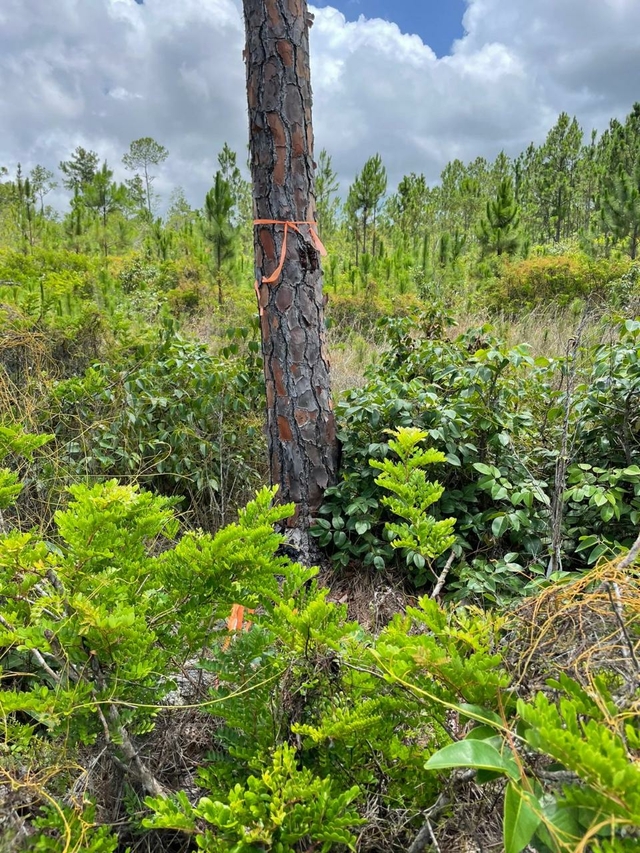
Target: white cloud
122, 94
100, 73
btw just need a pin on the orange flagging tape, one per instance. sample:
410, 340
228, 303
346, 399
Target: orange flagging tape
236, 622
294, 225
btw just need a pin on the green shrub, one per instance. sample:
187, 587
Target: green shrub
497, 415
317, 721
274, 811
597, 796
88, 637
138, 273
184, 300
177, 418
560, 279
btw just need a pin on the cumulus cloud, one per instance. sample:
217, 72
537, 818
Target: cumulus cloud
100, 73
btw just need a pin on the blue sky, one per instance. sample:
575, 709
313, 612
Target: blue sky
438, 22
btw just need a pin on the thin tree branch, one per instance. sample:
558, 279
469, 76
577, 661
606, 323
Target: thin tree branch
426, 835
629, 559
443, 576
35, 654
628, 650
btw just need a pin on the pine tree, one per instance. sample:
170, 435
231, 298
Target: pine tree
556, 175
619, 146
219, 229
443, 249
137, 196
499, 232
239, 188
79, 170
42, 183
26, 209
411, 212
367, 192
105, 197
328, 204
74, 221
180, 214
301, 426
241, 215
587, 183
141, 156
621, 208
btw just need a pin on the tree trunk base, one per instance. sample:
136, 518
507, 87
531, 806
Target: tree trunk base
301, 547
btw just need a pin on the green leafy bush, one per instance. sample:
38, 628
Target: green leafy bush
316, 719
598, 791
177, 418
608, 407
552, 279
93, 624
497, 414
273, 811
88, 637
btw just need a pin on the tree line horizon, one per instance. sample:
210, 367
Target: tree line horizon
568, 187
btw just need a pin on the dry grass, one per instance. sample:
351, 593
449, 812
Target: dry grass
546, 329
584, 628
350, 359
372, 598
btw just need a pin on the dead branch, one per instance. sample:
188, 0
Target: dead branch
443, 576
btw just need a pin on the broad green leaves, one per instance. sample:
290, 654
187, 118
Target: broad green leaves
498, 411
522, 816
475, 754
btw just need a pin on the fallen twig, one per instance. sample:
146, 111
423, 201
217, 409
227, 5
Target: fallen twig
628, 650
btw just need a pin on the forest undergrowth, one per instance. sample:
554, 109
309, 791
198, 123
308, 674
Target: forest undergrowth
451, 687
462, 670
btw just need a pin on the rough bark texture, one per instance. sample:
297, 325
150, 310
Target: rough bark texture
303, 448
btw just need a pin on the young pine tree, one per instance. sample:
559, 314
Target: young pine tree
219, 230
366, 194
79, 170
142, 156
621, 208
327, 187
499, 233
105, 197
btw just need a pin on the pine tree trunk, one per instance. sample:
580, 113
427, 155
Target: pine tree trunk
559, 216
365, 214
302, 444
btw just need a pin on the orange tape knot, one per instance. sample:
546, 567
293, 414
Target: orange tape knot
312, 238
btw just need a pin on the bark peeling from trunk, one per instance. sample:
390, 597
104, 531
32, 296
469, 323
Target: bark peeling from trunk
302, 443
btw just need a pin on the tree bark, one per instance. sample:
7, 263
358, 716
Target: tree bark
302, 443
